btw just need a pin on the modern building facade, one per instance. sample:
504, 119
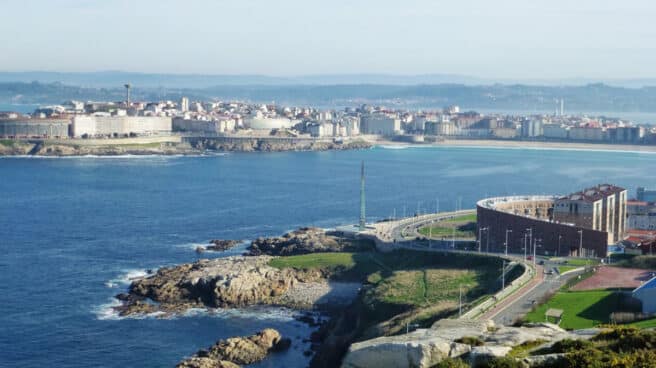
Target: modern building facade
380, 124
528, 224
600, 208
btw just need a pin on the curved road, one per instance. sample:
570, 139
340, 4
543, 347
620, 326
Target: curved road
403, 234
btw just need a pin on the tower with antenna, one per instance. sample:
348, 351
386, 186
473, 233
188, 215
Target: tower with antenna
362, 201
127, 86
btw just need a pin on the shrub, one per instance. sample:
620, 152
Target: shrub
504, 362
471, 340
569, 345
451, 363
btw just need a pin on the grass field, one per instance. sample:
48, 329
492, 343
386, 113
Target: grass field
446, 228
563, 269
315, 260
580, 262
402, 281
582, 309
648, 323
465, 218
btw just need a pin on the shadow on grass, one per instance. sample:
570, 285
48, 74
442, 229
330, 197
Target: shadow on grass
601, 310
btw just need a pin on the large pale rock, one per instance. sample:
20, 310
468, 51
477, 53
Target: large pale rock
417, 349
425, 348
480, 355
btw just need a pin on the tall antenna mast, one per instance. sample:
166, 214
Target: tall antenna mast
362, 200
127, 94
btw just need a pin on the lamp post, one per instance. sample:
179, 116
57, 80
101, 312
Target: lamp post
503, 275
430, 234
460, 301
487, 240
559, 238
525, 247
535, 246
580, 242
506, 244
530, 237
480, 237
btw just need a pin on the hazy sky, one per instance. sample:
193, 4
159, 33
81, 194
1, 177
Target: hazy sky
486, 38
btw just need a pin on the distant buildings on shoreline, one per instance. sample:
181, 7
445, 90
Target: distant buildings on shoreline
75, 119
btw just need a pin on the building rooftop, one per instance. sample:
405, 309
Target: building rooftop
594, 194
651, 284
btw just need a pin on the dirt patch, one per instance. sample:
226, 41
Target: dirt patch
607, 277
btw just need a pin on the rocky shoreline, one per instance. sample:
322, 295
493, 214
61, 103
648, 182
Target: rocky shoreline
73, 148
237, 351
231, 282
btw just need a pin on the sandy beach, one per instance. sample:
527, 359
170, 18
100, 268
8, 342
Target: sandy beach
493, 143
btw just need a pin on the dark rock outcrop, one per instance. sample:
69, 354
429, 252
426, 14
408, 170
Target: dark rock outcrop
220, 245
236, 351
302, 241
224, 282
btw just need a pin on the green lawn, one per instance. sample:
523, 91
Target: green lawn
563, 269
648, 323
403, 281
445, 228
465, 218
314, 260
7, 142
439, 231
581, 262
582, 309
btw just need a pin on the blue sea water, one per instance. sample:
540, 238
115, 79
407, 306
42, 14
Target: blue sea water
72, 230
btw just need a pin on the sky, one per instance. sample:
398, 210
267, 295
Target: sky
482, 38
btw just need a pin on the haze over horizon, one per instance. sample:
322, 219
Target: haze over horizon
509, 39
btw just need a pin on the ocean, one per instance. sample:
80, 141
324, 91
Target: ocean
74, 230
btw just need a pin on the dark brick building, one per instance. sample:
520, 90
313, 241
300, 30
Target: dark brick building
521, 213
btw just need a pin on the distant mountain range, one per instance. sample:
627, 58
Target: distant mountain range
507, 97
108, 79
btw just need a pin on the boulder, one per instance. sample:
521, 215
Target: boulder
446, 338
196, 362
417, 349
302, 241
481, 355
220, 245
223, 282
237, 351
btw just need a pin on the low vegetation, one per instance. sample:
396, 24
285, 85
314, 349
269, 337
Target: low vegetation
419, 286
645, 262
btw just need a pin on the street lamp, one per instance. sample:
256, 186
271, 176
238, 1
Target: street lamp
525, 247
503, 275
480, 236
535, 245
506, 244
487, 240
580, 242
560, 237
430, 234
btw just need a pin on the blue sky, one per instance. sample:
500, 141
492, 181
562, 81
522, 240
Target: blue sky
485, 38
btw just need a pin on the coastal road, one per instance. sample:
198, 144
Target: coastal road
403, 233
520, 303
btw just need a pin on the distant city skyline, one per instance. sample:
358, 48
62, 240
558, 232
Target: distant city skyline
510, 39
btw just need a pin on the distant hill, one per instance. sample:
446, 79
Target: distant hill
112, 79
592, 97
